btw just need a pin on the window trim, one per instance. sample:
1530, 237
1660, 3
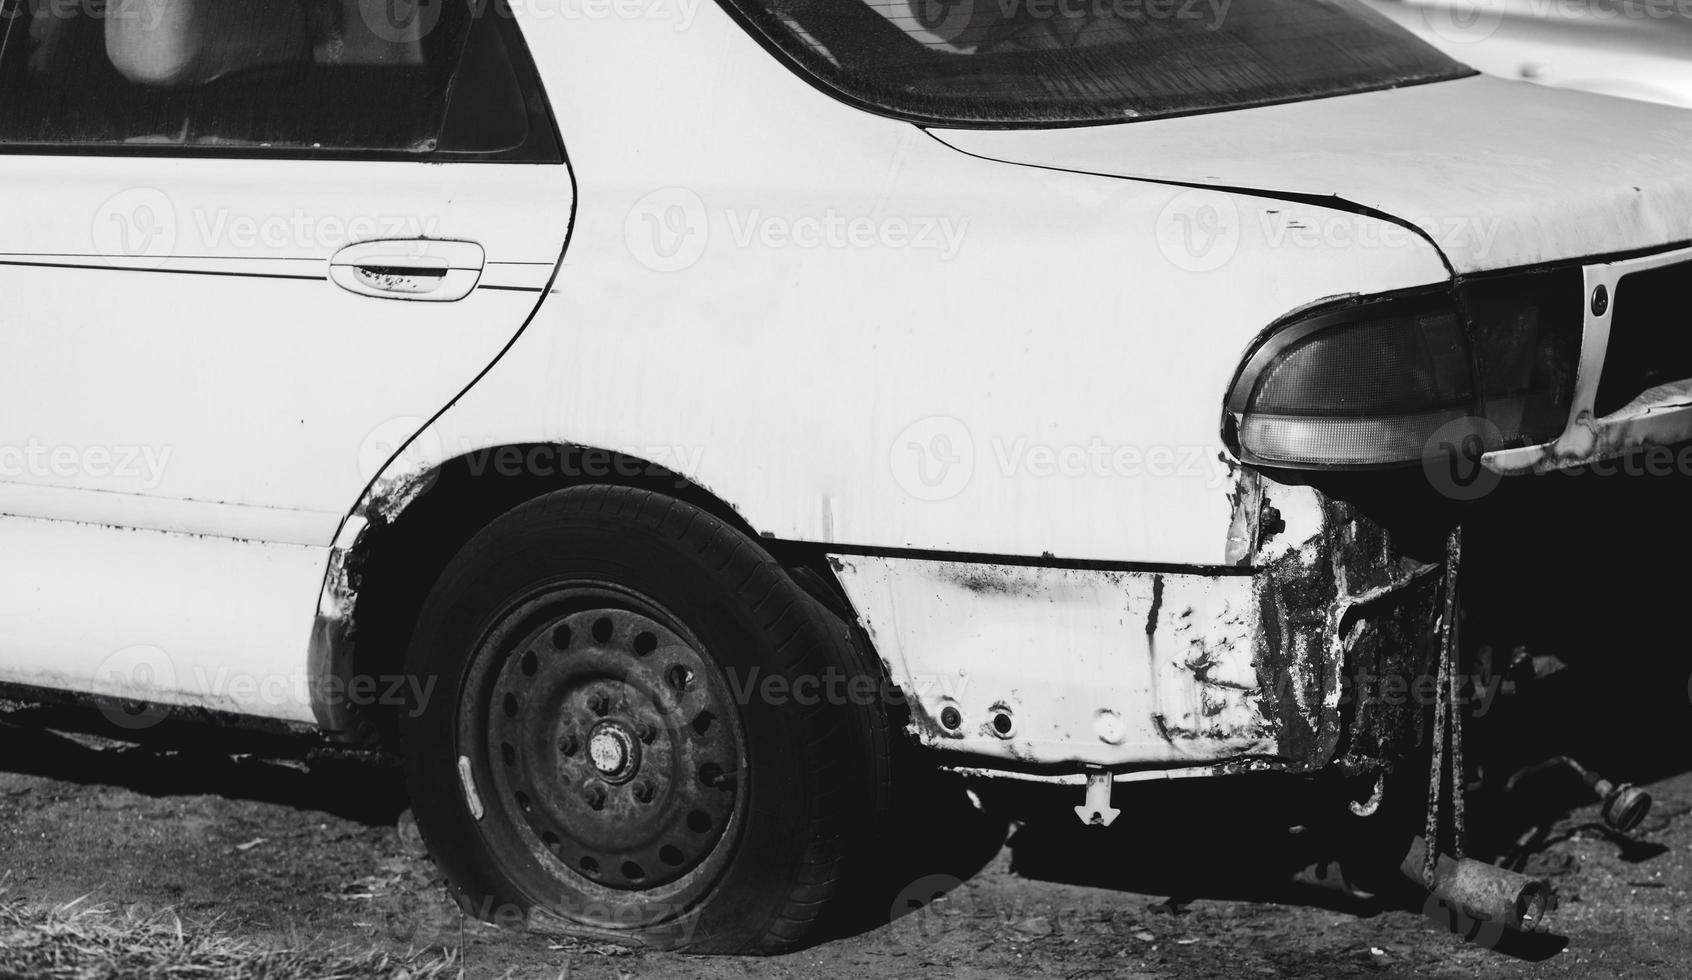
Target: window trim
543, 145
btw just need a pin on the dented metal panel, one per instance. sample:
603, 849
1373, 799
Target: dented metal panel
1249, 668
1100, 667
1660, 416
330, 650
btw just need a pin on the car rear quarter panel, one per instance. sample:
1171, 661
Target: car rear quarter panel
981, 357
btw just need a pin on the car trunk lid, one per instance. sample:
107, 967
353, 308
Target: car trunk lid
1498, 174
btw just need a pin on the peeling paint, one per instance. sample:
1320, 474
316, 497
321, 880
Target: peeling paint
331, 628
1660, 416
1245, 500
1239, 668
394, 492
1062, 647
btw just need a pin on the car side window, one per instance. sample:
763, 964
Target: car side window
302, 75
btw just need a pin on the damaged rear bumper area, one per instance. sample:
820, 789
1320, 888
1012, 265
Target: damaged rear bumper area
1631, 391
1313, 649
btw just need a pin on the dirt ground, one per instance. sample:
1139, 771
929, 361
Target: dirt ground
291, 851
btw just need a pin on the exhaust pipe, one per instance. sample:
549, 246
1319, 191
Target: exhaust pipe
1482, 891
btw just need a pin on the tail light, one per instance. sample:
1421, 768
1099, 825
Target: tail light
1371, 383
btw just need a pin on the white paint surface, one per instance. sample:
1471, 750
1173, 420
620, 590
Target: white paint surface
1501, 174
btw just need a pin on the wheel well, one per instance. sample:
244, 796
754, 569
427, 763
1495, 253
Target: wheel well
399, 558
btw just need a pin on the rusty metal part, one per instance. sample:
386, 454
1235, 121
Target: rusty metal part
1448, 718
1624, 806
1372, 805
1482, 892
1344, 609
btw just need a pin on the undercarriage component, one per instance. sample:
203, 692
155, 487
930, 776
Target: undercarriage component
1448, 722
1482, 893
1097, 811
1372, 805
1624, 804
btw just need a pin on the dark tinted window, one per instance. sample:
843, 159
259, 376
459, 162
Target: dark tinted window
1055, 62
312, 74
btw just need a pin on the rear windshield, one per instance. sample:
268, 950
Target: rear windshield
1067, 62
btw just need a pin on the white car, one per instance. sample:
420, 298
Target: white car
1636, 49
647, 417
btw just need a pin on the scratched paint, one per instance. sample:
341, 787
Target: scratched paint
1167, 656
1661, 416
1150, 669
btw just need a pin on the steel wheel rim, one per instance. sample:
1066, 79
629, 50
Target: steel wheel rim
611, 747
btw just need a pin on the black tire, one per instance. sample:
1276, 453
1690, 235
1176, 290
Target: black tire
588, 633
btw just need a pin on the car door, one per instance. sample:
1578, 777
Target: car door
247, 248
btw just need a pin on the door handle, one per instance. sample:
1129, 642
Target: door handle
419, 269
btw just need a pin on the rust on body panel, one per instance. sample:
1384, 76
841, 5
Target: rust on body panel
1237, 667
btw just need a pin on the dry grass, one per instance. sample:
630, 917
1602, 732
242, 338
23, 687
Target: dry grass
84, 942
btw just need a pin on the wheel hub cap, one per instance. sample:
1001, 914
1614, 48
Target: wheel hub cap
614, 751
